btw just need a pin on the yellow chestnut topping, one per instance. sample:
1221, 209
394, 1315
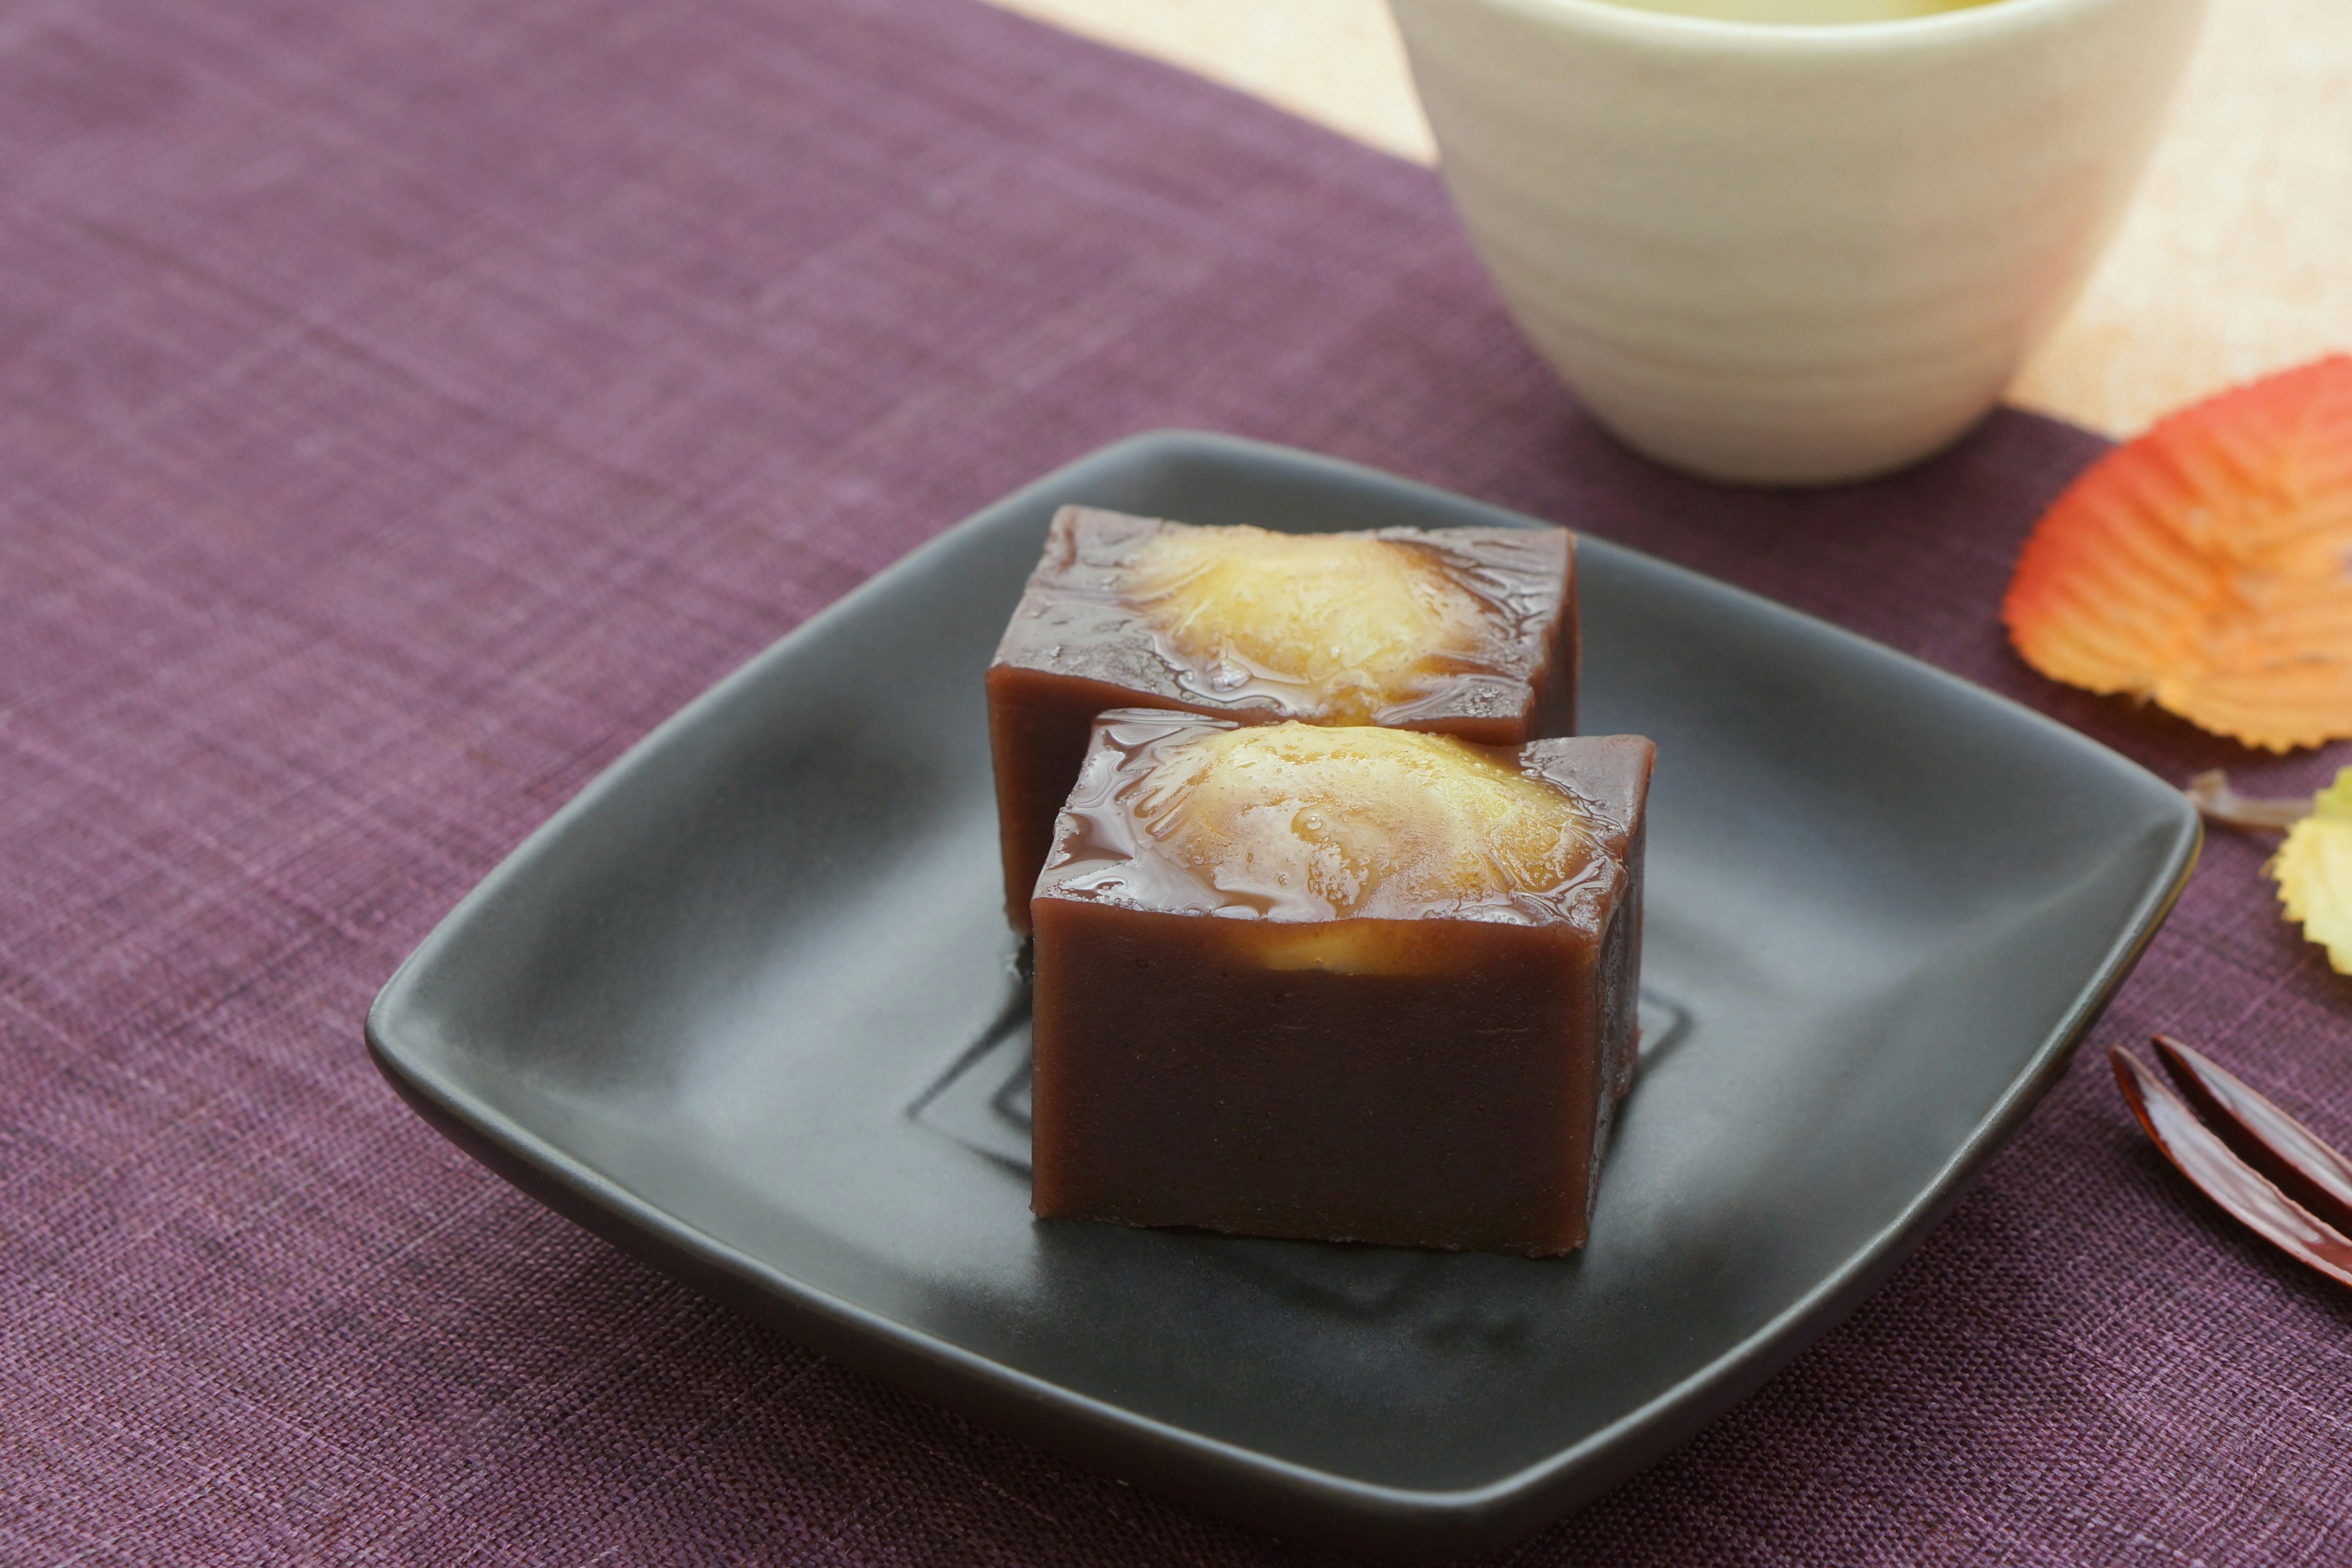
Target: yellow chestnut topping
1307, 823
1339, 625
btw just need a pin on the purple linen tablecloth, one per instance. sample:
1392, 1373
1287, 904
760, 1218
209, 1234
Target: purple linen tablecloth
404, 406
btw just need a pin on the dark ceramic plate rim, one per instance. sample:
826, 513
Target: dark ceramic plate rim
1228, 1476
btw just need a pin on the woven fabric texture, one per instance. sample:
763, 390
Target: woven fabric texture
405, 405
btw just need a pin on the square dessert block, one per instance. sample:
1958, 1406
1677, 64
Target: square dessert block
1353, 984
1461, 631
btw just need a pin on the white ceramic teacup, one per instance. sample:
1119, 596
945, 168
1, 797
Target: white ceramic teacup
1790, 253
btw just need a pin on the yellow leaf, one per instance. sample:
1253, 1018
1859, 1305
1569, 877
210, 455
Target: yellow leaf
2314, 871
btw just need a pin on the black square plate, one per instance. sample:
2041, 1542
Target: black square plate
747, 1006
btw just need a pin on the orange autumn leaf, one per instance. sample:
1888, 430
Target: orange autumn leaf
2206, 565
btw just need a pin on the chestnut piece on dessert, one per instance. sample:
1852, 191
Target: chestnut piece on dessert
1461, 631
1350, 985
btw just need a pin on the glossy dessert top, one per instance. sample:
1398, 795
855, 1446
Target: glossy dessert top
1296, 824
1383, 628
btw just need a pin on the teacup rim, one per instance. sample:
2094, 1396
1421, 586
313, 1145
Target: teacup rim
1991, 18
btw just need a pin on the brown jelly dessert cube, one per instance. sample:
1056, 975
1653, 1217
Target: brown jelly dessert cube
1355, 985
1461, 631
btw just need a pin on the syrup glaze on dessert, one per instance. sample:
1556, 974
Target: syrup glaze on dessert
1397, 627
1296, 822
1335, 627
1468, 632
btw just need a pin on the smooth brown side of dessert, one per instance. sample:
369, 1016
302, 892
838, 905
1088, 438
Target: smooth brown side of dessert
1073, 650
1612, 772
1552, 706
1178, 1081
